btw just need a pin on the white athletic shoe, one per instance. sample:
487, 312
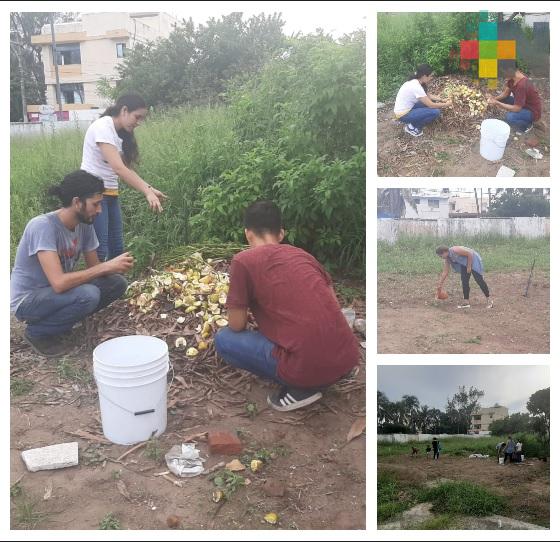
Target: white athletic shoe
464, 306
490, 304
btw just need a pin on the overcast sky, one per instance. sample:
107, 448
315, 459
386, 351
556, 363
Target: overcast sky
510, 386
336, 18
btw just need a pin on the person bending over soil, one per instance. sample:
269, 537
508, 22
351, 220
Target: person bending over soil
46, 293
304, 342
414, 105
467, 262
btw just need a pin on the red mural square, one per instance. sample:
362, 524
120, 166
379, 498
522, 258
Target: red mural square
469, 49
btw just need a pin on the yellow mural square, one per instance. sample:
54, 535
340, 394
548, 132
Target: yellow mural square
506, 49
488, 68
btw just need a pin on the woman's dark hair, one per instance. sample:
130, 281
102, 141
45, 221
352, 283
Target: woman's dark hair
132, 102
441, 249
421, 70
263, 217
78, 184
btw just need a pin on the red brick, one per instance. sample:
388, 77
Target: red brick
224, 443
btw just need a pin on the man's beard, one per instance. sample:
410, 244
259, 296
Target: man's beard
84, 219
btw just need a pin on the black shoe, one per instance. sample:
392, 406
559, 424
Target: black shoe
50, 346
292, 398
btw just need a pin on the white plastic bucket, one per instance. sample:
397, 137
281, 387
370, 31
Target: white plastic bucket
494, 135
522, 457
501, 460
131, 376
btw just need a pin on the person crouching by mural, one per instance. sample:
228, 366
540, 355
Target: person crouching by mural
520, 99
467, 262
46, 293
304, 342
414, 105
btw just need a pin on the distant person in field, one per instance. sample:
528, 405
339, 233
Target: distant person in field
304, 342
414, 105
428, 451
110, 153
500, 447
467, 262
518, 451
436, 448
520, 99
509, 450
46, 293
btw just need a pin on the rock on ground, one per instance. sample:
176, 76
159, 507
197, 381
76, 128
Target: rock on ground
57, 456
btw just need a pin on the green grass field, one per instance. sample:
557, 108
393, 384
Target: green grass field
416, 255
464, 447
450, 446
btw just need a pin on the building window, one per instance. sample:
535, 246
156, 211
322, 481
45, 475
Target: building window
417, 201
433, 203
477, 418
68, 53
72, 93
121, 50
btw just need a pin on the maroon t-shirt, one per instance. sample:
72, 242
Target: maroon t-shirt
525, 95
289, 295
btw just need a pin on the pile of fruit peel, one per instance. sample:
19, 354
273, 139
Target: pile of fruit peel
466, 101
193, 292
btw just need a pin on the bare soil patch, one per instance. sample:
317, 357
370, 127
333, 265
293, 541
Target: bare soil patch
411, 321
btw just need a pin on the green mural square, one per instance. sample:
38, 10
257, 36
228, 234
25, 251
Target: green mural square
487, 49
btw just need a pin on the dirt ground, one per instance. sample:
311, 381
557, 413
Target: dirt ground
454, 152
323, 475
411, 321
526, 485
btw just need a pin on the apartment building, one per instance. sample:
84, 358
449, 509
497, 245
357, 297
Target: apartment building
88, 51
483, 417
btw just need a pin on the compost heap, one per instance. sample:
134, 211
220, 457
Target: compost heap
469, 102
188, 299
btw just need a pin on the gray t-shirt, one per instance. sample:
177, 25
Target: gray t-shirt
47, 232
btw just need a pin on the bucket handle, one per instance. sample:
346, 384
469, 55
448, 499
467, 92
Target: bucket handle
139, 413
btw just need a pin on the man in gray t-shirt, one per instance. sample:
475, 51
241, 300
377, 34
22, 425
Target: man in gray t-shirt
46, 292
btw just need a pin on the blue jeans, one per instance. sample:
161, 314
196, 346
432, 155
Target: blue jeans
109, 229
520, 120
48, 313
248, 350
420, 115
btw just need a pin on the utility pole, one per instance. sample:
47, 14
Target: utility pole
55, 60
18, 51
477, 207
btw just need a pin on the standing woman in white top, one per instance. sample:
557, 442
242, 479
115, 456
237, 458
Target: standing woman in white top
414, 105
110, 150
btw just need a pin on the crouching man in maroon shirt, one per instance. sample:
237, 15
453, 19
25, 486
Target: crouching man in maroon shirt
304, 342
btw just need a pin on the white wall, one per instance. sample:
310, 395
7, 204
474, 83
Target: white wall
26, 129
390, 230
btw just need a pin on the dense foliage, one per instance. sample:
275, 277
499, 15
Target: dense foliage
194, 65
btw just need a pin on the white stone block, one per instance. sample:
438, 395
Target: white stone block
57, 456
